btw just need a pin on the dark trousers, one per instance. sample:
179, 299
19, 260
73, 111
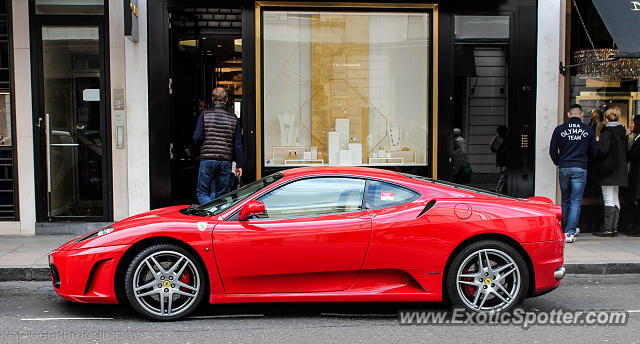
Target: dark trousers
214, 180
572, 182
502, 180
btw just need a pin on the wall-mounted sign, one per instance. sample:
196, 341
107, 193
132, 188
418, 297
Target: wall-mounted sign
131, 19
91, 95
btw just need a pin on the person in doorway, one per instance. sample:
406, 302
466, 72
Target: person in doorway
611, 169
499, 146
219, 135
459, 164
634, 175
201, 106
571, 145
198, 107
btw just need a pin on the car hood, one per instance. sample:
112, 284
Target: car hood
159, 214
127, 230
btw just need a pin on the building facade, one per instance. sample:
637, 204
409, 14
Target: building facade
102, 96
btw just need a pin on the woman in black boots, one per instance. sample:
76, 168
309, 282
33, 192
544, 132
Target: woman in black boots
634, 175
611, 169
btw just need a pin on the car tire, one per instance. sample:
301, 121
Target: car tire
478, 286
165, 282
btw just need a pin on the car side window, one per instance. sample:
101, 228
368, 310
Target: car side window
383, 195
314, 197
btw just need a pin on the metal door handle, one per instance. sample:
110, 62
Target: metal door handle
47, 142
47, 139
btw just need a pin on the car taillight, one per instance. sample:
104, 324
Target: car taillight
557, 210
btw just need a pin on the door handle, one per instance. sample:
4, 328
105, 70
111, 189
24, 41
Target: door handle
47, 139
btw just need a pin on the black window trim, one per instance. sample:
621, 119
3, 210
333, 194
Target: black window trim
233, 216
416, 194
457, 186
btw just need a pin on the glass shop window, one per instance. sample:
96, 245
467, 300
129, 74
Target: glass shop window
346, 88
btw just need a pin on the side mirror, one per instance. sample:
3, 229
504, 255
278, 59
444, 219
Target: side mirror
251, 208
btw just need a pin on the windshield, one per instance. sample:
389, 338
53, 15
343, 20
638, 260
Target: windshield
226, 201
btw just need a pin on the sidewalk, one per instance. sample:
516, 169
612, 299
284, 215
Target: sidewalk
25, 258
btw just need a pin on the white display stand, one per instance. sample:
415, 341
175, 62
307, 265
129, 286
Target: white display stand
333, 146
303, 162
342, 127
344, 157
386, 161
356, 153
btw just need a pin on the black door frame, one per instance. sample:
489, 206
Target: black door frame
36, 21
159, 68
521, 85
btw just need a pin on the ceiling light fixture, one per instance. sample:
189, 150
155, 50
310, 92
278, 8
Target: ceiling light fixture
602, 64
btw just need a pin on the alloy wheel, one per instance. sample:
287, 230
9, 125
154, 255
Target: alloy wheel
166, 283
488, 280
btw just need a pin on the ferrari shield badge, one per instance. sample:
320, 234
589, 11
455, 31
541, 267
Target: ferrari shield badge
201, 226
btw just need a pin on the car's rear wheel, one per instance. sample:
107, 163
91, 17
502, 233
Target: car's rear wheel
487, 276
165, 282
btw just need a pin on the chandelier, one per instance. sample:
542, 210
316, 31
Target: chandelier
603, 64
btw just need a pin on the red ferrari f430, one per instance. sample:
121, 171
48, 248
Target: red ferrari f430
322, 234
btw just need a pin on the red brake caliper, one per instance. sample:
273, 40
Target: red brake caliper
186, 279
468, 289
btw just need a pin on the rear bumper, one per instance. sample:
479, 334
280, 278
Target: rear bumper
86, 275
547, 258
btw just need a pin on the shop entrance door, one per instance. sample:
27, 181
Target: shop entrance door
494, 79
482, 58
72, 148
203, 56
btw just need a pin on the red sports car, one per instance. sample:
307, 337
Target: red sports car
322, 234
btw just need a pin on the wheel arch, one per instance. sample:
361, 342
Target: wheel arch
136, 248
497, 237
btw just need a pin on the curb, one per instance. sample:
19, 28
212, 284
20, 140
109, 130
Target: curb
32, 273
602, 268
25, 273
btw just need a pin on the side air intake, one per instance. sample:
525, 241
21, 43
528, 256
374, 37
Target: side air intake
427, 207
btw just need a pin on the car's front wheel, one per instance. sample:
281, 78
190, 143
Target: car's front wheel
165, 282
487, 276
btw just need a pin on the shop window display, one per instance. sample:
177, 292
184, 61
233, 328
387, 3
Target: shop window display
345, 88
8, 185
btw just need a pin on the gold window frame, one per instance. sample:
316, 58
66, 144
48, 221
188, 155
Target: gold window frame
630, 97
321, 5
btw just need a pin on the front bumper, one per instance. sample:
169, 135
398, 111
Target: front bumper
86, 275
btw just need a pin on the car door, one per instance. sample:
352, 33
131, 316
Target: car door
403, 237
313, 237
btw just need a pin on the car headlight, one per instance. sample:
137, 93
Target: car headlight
98, 233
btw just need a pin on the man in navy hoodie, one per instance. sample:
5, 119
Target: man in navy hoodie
571, 145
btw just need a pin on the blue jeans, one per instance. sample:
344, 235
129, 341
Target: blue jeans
572, 183
214, 180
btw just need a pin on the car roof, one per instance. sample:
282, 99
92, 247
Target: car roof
340, 170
